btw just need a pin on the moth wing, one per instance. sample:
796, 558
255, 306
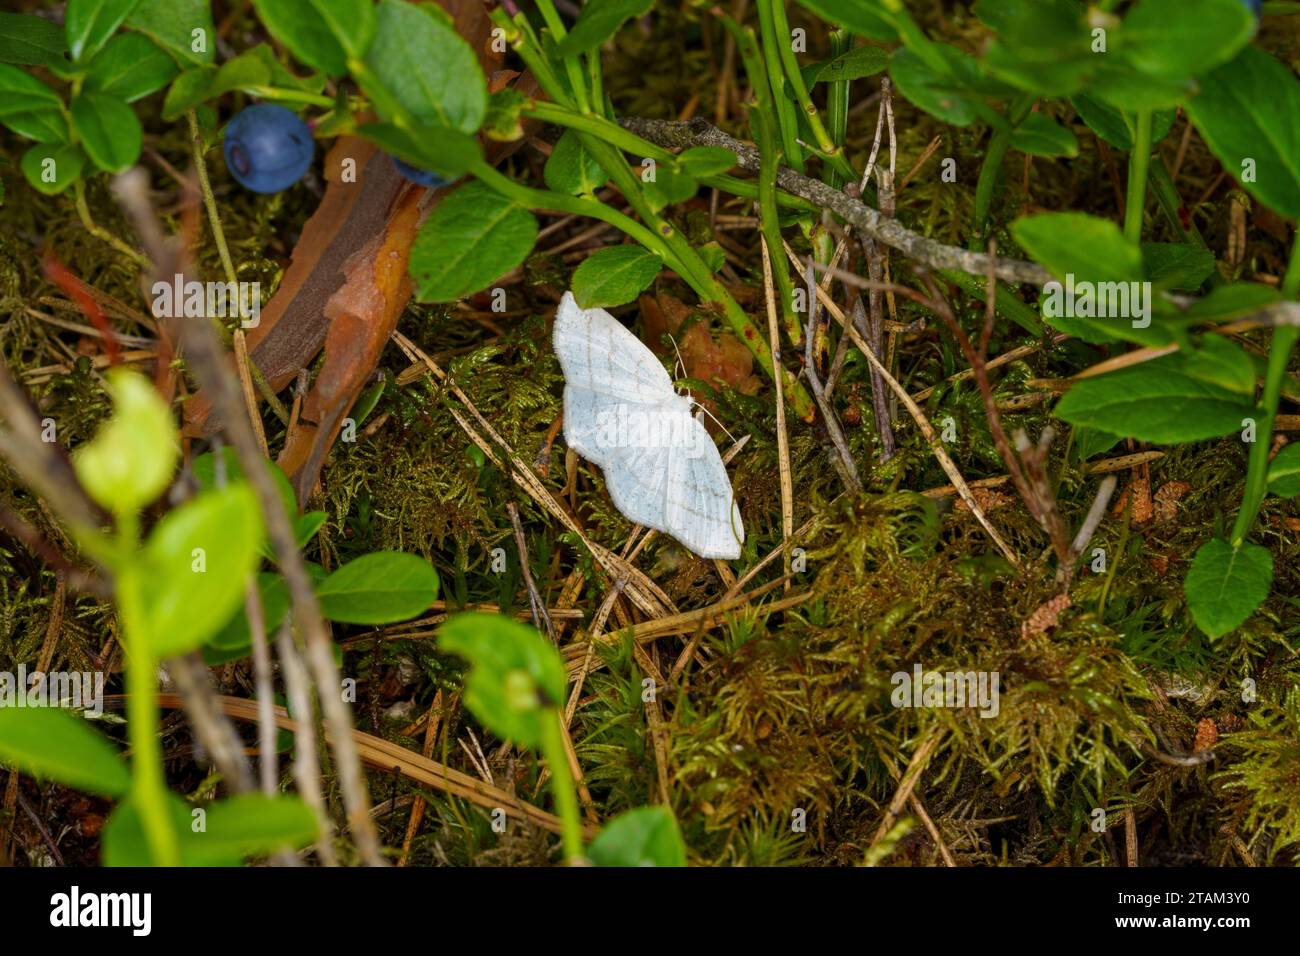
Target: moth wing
637, 479
583, 410
598, 354
701, 507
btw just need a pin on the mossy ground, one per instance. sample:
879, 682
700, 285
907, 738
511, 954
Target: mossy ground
776, 712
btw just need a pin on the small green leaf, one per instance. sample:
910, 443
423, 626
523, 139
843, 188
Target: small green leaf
938, 93
1224, 585
22, 93
1284, 472
235, 634
1159, 38
472, 237
1179, 266
181, 27
1231, 301
1040, 135
1221, 362
1156, 401
89, 24
321, 33
248, 70
131, 460
1074, 243
517, 679
198, 556
43, 126
646, 836
504, 120
251, 824
571, 170
129, 67
706, 160
51, 168
109, 131
598, 22
53, 744
204, 470
860, 62
614, 276
669, 187
1042, 46
447, 152
421, 62
30, 41
379, 588
187, 90
1246, 111
1118, 127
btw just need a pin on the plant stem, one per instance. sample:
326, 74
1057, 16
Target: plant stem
562, 787
787, 121
991, 168
99, 232
1284, 341
772, 226
572, 66
1138, 162
837, 103
1006, 303
227, 264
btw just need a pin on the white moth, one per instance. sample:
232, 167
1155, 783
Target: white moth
621, 413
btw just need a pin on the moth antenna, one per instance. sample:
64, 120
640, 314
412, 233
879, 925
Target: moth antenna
680, 364
715, 419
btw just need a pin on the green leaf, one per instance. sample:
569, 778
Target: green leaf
379, 588
1074, 243
868, 18
1246, 111
1042, 46
669, 186
198, 556
30, 41
1156, 401
939, 94
1040, 135
706, 160
52, 744
1118, 127
321, 33
517, 678
235, 634
646, 836
131, 460
22, 93
1221, 362
89, 23
248, 70
1231, 301
571, 170
129, 67
1284, 472
51, 168
420, 60
448, 152
43, 126
109, 131
598, 22
1090, 441
472, 237
856, 64
1163, 38
614, 276
1224, 585
227, 831
187, 90
504, 120
1176, 265
181, 27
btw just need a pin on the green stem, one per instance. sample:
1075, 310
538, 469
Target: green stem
520, 36
1005, 301
771, 161
1284, 341
572, 66
99, 232
1166, 193
562, 787
787, 121
1138, 162
288, 96
837, 103
991, 168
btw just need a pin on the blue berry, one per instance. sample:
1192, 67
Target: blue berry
268, 148
421, 177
